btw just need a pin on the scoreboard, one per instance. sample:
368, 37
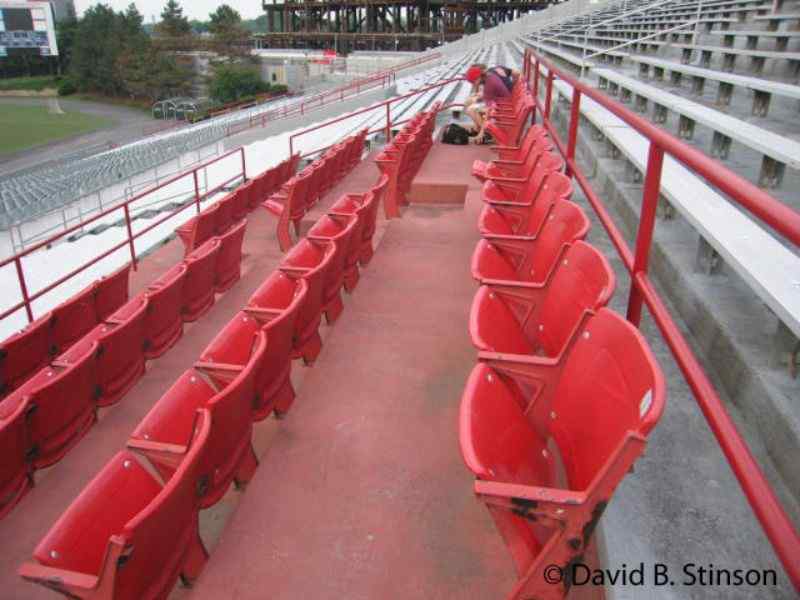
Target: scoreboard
27, 27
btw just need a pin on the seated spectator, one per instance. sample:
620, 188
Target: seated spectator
488, 84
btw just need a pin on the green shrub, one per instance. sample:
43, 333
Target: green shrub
67, 88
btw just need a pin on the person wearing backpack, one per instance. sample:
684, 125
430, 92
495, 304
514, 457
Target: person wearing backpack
488, 85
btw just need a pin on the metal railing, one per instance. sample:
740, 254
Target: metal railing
386, 106
125, 208
777, 525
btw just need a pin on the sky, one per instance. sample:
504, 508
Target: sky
194, 9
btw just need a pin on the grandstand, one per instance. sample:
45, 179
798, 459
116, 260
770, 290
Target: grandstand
590, 328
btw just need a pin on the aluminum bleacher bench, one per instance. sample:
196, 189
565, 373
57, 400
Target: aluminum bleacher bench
574, 60
763, 89
726, 233
757, 57
774, 19
777, 151
781, 37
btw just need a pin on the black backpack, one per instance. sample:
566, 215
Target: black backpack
456, 135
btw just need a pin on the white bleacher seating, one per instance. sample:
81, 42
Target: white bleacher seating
777, 150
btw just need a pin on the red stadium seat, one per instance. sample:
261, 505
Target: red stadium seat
530, 258
73, 319
338, 230
366, 206
347, 207
532, 148
15, 471
164, 320
547, 464
61, 401
198, 230
229, 260
522, 190
248, 191
309, 260
198, 288
112, 292
240, 204
525, 318
275, 305
289, 206
514, 219
224, 216
229, 396
516, 154
120, 357
24, 353
127, 537
506, 129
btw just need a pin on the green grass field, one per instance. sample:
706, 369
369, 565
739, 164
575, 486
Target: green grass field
36, 84
23, 127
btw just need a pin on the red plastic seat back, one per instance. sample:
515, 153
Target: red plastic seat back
565, 224
279, 326
240, 203
198, 287
232, 424
14, 480
493, 326
24, 353
309, 260
164, 309
112, 292
74, 318
611, 387
62, 400
583, 281
229, 259
378, 195
341, 233
488, 262
224, 216
233, 345
205, 227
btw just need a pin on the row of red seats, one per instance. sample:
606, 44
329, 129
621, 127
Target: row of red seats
508, 118
565, 391
89, 351
402, 158
292, 201
218, 218
131, 534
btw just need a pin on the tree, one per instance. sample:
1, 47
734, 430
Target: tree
66, 30
223, 20
99, 40
173, 23
234, 82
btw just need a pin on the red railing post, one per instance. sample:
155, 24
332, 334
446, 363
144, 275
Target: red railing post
574, 120
291, 145
536, 78
130, 237
549, 94
23, 288
388, 124
196, 191
644, 235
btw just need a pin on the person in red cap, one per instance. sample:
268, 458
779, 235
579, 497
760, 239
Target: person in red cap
487, 86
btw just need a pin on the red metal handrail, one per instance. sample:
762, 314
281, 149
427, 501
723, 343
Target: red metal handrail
125, 207
776, 523
385, 104
380, 79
